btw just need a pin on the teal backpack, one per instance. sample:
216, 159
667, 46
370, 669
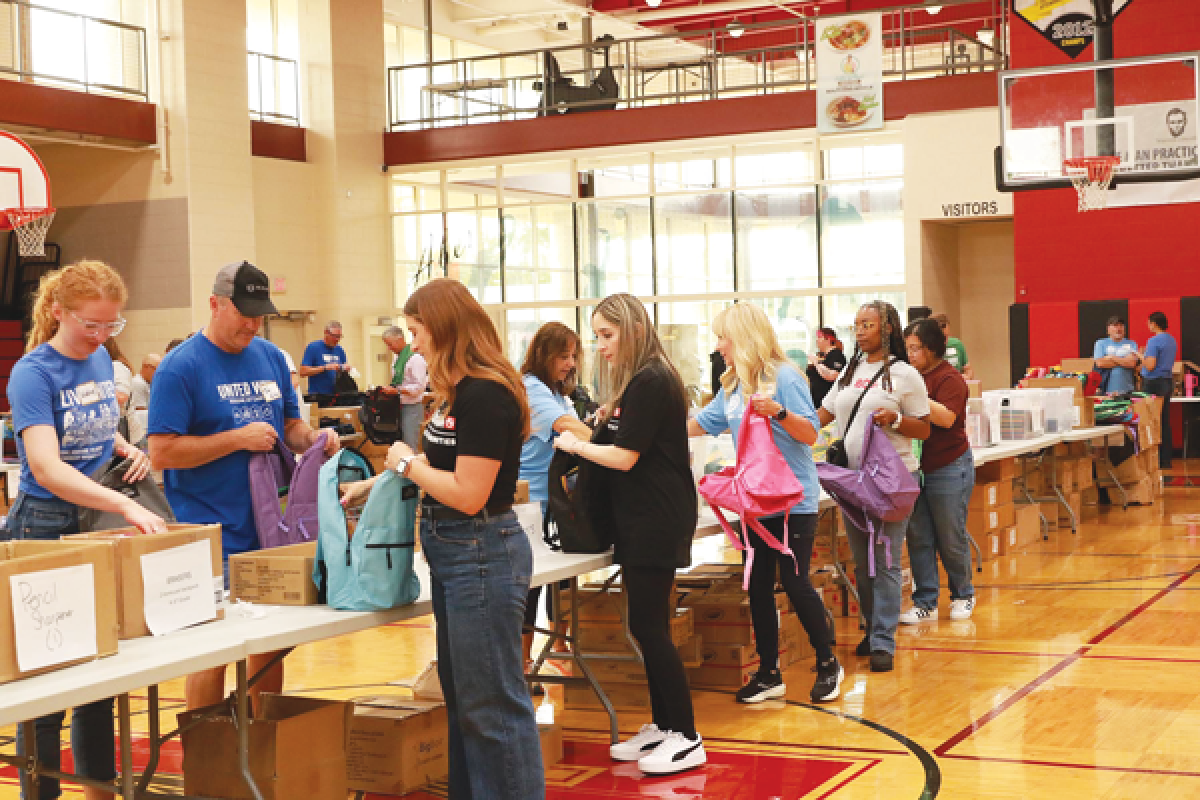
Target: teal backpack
373, 569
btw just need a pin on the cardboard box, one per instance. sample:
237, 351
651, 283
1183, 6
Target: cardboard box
343, 415
396, 745
1086, 407
1085, 473
974, 388
609, 637
1078, 365
995, 543
990, 495
1075, 501
1128, 473
1028, 524
297, 749
622, 696
722, 619
522, 495
692, 652
1055, 383
551, 737
129, 545
22, 557
1142, 493
280, 576
1004, 469
729, 675
993, 519
1049, 510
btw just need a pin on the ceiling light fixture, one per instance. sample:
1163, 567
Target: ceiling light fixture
654, 3
735, 28
934, 9
987, 35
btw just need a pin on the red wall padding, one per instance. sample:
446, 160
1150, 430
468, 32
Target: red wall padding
1053, 333
1140, 309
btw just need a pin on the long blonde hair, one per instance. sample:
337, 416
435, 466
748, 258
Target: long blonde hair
71, 287
638, 346
757, 354
465, 343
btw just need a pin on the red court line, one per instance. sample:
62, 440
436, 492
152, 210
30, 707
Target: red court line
984, 652
1065, 765
853, 777
1025, 690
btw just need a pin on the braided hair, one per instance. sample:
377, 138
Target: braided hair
892, 332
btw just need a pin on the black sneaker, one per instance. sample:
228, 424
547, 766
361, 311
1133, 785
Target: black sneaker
829, 681
881, 661
763, 686
864, 647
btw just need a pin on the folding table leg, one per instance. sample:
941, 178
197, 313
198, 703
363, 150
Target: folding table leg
29, 774
125, 723
243, 728
152, 712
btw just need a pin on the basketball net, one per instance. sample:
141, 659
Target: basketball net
30, 226
1091, 177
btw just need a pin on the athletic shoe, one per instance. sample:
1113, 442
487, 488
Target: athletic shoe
638, 745
675, 754
881, 661
917, 615
829, 681
962, 608
763, 686
864, 647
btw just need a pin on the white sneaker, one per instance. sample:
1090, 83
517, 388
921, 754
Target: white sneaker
675, 754
916, 615
962, 608
640, 744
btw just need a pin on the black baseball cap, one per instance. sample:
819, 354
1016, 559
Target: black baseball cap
247, 286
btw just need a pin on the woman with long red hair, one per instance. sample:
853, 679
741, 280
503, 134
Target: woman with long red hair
480, 561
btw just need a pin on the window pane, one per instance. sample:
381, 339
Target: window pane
523, 323
619, 176
694, 237
542, 182
614, 248
470, 187
417, 191
841, 308
473, 252
692, 171
774, 165
418, 237
777, 239
863, 234
539, 253
796, 322
883, 159
686, 333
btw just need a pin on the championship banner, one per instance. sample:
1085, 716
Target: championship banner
1068, 24
850, 73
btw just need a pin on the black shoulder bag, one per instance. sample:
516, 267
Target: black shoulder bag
836, 454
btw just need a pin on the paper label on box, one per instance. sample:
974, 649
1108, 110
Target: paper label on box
994, 518
991, 495
178, 586
54, 616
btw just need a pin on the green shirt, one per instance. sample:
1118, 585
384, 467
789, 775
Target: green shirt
401, 362
956, 353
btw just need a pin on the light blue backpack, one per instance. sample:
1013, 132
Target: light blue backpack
373, 569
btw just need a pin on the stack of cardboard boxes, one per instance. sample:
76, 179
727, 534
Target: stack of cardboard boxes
1139, 475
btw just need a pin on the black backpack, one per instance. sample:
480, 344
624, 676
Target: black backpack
345, 390
380, 416
578, 515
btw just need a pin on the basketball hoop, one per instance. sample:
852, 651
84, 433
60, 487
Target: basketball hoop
1091, 177
30, 226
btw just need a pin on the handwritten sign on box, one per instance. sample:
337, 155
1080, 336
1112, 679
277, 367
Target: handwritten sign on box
178, 587
54, 616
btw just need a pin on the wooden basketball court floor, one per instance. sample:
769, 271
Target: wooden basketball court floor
1078, 677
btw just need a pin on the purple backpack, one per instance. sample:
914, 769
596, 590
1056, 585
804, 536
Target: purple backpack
276, 475
881, 488
760, 484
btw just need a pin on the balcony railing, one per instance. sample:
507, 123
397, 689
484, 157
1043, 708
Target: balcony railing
59, 48
274, 89
682, 67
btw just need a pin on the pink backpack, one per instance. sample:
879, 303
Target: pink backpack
760, 484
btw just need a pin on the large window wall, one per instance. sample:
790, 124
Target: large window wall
807, 235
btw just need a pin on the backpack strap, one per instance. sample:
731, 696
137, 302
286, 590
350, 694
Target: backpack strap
854, 412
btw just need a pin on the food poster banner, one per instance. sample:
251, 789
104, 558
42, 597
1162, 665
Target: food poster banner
850, 73
1068, 24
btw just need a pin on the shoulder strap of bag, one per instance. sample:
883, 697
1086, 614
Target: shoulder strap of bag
854, 412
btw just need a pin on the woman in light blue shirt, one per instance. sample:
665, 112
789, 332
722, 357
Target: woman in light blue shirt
761, 380
549, 374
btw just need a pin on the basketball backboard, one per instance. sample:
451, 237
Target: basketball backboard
23, 182
1049, 115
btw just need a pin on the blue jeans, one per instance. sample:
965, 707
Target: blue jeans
92, 731
880, 597
480, 572
938, 527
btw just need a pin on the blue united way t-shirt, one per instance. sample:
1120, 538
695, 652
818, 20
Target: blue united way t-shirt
725, 412
545, 408
1119, 379
318, 354
200, 390
77, 397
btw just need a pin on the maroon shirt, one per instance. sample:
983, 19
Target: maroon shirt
946, 385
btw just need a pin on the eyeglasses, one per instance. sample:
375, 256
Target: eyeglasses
334, 335
866, 327
111, 328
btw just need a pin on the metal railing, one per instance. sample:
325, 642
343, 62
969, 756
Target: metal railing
683, 67
274, 88
60, 48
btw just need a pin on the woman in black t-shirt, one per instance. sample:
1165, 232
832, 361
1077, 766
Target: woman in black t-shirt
642, 442
823, 371
480, 561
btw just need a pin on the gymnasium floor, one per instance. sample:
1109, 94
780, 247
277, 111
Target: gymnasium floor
1079, 676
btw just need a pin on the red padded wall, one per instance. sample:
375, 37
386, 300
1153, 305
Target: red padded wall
1053, 333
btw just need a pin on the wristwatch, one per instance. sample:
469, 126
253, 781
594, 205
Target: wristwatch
896, 424
782, 415
405, 463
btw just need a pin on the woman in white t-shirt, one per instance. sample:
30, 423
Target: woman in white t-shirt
898, 399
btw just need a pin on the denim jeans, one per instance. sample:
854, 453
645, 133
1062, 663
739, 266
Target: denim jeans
880, 597
92, 731
938, 528
479, 573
